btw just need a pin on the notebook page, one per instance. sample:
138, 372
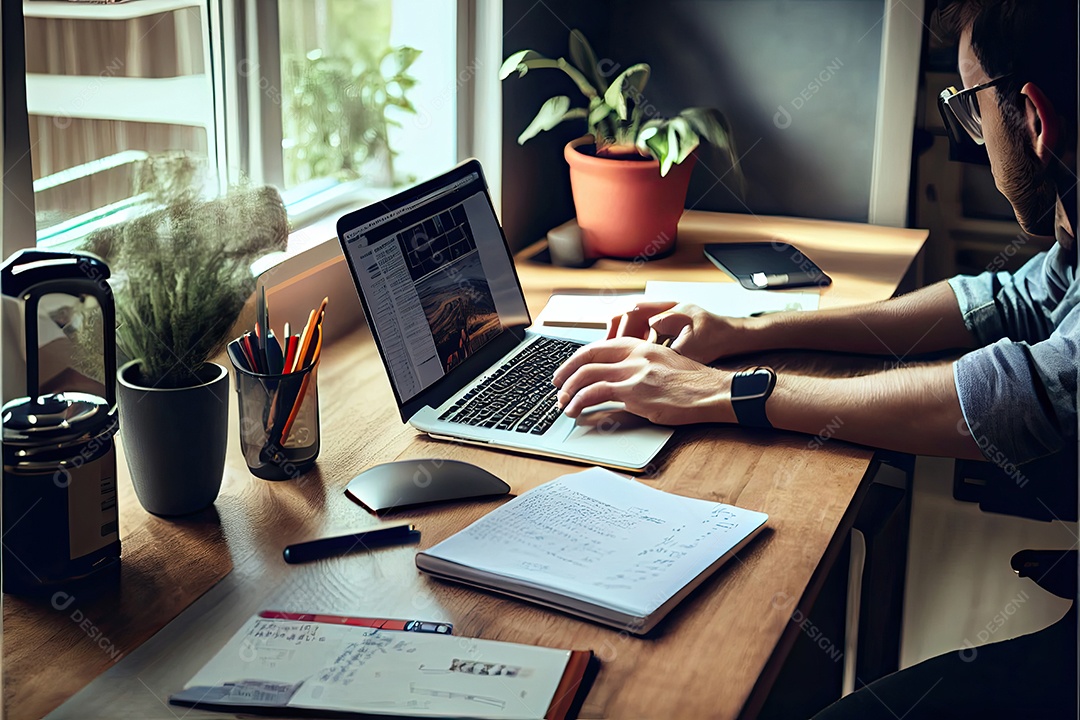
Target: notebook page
600, 537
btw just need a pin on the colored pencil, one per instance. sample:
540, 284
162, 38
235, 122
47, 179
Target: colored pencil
303, 388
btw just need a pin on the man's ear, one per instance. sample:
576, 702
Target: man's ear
1041, 122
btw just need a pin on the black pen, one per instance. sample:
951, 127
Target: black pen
367, 540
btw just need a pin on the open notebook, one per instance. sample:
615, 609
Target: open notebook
597, 545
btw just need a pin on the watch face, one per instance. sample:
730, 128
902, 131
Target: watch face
755, 385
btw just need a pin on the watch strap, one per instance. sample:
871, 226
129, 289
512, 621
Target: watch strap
748, 402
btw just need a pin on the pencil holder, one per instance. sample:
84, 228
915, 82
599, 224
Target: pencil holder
279, 421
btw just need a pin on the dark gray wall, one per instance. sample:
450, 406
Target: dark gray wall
535, 179
797, 78
815, 60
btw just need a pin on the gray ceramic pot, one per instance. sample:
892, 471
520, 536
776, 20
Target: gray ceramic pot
175, 439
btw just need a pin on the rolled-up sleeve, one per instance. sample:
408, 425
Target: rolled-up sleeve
1022, 306
1018, 393
1019, 400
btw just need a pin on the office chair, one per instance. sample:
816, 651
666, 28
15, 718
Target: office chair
1043, 489
1052, 570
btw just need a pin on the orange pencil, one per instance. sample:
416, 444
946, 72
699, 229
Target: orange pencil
305, 341
306, 336
303, 388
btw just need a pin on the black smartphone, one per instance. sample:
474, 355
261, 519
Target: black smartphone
766, 266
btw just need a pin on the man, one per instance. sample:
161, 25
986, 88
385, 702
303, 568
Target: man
1010, 399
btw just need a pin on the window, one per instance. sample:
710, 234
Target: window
336, 102
107, 87
368, 99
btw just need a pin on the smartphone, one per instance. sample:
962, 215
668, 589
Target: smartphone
766, 266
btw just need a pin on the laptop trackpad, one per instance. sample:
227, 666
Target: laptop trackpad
606, 418
612, 406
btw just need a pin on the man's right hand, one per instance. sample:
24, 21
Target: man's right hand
698, 334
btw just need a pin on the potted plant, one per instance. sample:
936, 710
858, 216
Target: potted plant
630, 174
183, 273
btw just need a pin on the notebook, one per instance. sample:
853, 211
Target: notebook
760, 265
597, 545
441, 294
281, 666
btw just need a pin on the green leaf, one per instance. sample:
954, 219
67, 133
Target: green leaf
669, 141
714, 128
525, 60
628, 84
518, 61
585, 59
650, 141
710, 124
598, 111
553, 112
688, 138
405, 56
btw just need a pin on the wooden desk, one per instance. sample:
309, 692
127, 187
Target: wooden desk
730, 636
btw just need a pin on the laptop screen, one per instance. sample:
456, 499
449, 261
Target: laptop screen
437, 279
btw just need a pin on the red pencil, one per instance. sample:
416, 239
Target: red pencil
291, 344
249, 351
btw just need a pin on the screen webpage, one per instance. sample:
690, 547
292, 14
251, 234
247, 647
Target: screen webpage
438, 282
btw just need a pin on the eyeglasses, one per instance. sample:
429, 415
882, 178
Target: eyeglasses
960, 111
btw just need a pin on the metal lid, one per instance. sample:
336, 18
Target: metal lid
58, 418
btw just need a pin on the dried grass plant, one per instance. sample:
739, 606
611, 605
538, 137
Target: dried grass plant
183, 273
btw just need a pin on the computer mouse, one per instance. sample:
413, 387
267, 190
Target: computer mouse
407, 483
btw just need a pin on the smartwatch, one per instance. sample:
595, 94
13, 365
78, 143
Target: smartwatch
749, 391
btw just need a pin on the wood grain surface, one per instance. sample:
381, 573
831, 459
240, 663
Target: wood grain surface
705, 660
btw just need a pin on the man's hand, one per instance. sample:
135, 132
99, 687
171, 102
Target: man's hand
698, 334
652, 381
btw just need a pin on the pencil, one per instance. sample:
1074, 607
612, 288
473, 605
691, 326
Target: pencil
305, 341
303, 387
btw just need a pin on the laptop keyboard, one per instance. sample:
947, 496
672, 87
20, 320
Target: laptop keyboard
518, 396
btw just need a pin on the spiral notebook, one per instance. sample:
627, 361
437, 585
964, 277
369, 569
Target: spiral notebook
597, 545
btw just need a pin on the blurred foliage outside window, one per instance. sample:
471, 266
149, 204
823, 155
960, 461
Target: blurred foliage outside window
343, 86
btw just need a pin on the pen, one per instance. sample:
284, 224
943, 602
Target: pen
424, 626
333, 546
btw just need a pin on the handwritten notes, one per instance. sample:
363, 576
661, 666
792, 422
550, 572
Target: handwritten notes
601, 538
308, 665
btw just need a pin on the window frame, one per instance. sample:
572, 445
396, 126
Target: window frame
242, 51
257, 126
18, 218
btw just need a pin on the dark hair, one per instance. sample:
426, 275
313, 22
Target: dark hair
1034, 40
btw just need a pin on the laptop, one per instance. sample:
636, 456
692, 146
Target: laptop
438, 285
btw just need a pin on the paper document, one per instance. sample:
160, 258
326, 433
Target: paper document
583, 317
729, 298
272, 663
602, 538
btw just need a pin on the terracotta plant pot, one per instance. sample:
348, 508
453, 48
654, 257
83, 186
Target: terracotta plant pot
624, 208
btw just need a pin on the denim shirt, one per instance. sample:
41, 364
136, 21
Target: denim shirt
1018, 393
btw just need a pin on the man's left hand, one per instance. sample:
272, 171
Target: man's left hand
652, 381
